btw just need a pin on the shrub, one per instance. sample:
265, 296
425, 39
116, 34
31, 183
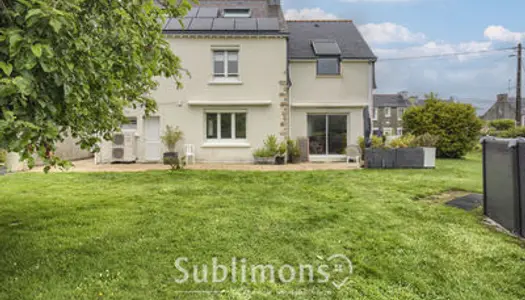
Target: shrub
3, 156
271, 148
404, 141
171, 137
503, 124
510, 133
426, 140
377, 142
456, 125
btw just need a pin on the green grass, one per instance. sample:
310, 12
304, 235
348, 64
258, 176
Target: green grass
117, 236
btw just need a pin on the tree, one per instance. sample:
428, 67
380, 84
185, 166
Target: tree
456, 125
70, 67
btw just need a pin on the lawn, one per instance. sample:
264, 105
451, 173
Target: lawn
117, 236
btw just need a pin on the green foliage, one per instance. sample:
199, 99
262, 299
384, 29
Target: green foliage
293, 148
377, 142
281, 151
426, 140
3, 156
176, 163
171, 137
456, 125
511, 133
73, 66
270, 149
404, 141
503, 124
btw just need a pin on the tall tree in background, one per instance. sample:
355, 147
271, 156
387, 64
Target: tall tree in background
70, 67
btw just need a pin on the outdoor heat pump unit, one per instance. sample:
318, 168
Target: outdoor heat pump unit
123, 147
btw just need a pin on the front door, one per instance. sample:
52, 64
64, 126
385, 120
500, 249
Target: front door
152, 139
327, 134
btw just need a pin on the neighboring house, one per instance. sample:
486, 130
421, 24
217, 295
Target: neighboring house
252, 75
388, 112
503, 108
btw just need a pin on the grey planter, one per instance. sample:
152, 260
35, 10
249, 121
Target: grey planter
415, 158
403, 158
3, 170
264, 160
376, 158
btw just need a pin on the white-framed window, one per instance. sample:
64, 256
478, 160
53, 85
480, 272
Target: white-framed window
237, 13
400, 112
131, 124
226, 63
400, 131
374, 114
387, 112
375, 131
387, 131
224, 126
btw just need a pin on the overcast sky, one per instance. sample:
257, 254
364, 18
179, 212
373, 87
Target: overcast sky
408, 28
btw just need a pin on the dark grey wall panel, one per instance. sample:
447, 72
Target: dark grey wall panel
245, 24
326, 48
223, 24
193, 12
201, 24
174, 24
208, 12
267, 24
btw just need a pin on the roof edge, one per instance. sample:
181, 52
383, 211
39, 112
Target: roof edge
322, 21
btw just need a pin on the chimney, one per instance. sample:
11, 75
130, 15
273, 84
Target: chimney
503, 98
403, 94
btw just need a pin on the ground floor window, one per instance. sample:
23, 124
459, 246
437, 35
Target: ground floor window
327, 134
226, 125
387, 131
400, 131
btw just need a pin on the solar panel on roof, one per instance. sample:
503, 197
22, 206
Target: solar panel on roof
267, 24
222, 24
208, 12
174, 24
201, 24
245, 24
193, 12
326, 48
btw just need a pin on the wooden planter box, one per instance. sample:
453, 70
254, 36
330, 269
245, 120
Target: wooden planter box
402, 158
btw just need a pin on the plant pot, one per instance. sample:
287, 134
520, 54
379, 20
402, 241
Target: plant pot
3, 170
280, 160
416, 158
168, 157
377, 158
264, 160
295, 159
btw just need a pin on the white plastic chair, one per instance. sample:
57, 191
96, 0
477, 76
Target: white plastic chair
189, 150
354, 152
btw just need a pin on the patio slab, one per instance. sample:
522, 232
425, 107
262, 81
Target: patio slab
90, 166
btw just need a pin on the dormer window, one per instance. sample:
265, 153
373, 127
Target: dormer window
237, 13
328, 57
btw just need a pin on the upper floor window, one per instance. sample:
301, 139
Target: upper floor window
387, 112
328, 66
237, 13
131, 124
400, 112
226, 63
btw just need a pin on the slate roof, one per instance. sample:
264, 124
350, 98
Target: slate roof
207, 18
390, 100
344, 32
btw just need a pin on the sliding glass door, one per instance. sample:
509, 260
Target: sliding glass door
327, 134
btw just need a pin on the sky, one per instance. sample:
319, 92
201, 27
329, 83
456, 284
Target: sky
403, 29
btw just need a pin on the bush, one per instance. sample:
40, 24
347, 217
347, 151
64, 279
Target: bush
171, 137
404, 141
377, 142
510, 133
426, 140
456, 125
271, 147
3, 156
503, 124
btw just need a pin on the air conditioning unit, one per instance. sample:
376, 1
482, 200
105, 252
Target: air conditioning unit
123, 147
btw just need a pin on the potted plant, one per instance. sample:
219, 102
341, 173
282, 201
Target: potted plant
294, 154
170, 139
280, 159
267, 154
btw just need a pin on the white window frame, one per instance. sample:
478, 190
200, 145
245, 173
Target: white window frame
226, 54
388, 112
236, 13
399, 131
219, 139
375, 112
400, 112
387, 131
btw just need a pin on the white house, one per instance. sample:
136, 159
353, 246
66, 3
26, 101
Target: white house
253, 74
